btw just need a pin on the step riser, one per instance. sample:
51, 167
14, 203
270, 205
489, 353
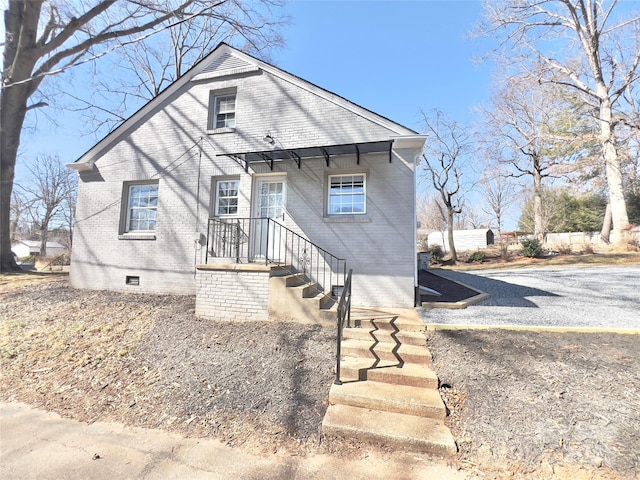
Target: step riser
385, 336
396, 378
437, 412
406, 432
400, 356
412, 445
385, 376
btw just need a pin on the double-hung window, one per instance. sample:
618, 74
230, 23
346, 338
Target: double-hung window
222, 110
142, 207
227, 197
347, 194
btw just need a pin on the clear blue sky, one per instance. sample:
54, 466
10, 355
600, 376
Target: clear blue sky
392, 57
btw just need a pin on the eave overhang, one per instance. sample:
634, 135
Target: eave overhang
80, 166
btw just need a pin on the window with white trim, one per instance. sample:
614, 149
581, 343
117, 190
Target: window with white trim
222, 110
226, 197
142, 207
347, 194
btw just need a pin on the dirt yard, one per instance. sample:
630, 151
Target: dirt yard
523, 405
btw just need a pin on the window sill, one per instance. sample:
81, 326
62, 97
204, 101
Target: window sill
216, 131
347, 219
137, 236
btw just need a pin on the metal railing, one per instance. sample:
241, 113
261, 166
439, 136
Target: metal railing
344, 313
250, 240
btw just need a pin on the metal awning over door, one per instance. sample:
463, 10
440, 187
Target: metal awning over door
304, 153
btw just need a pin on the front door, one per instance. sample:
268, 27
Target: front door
270, 198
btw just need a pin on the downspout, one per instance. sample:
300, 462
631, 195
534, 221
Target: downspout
415, 237
198, 244
416, 143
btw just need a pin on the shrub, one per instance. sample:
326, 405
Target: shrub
564, 249
437, 254
532, 248
588, 249
477, 257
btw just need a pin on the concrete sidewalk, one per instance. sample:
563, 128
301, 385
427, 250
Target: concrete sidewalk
37, 444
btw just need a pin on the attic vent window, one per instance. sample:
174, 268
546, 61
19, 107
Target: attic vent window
135, 281
222, 110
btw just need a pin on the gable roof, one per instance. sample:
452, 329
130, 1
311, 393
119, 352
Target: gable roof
224, 61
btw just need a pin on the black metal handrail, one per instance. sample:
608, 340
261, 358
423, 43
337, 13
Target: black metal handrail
257, 239
344, 313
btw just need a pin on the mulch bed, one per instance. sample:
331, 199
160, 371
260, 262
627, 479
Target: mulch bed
146, 360
450, 292
524, 402
523, 405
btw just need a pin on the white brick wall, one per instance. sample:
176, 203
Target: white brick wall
171, 144
232, 295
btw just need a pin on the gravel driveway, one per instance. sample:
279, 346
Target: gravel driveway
598, 297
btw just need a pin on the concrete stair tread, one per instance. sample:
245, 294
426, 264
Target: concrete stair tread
386, 351
294, 279
386, 397
373, 334
391, 322
388, 371
395, 429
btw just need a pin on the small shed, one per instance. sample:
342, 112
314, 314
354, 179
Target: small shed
25, 248
463, 239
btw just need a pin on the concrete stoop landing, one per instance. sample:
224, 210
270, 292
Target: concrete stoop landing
389, 393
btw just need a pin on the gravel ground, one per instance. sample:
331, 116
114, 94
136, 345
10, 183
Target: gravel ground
569, 297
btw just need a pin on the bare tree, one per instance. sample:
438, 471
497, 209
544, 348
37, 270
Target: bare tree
50, 190
19, 209
470, 217
527, 132
588, 47
531, 218
46, 38
446, 150
499, 193
145, 69
431, 214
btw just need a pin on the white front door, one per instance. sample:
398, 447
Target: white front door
270, 198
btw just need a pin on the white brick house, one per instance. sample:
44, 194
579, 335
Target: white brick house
237, 138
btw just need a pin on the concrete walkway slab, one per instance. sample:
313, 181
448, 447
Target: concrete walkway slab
41, 445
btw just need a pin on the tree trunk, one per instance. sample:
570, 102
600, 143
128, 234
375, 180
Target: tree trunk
43, 243
21, 22
538, 213
452, 247
606, 225
613, 170
12, 118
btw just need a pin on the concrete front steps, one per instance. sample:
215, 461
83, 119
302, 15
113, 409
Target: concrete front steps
389, 393
293, 296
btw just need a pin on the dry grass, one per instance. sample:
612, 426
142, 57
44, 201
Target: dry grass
573, 259
13, 281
